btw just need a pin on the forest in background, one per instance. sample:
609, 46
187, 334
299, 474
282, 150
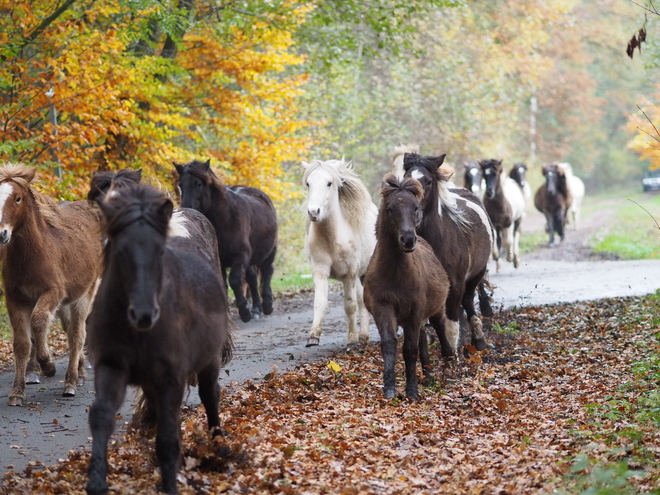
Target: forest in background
259, 85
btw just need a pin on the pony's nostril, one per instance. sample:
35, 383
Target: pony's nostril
132, 315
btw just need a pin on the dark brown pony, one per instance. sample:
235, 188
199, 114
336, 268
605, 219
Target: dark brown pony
553, 199
50, 266
246, 226
186, 222
405, 283
160, 316
456, 226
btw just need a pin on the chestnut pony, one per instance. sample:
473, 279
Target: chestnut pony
51, 261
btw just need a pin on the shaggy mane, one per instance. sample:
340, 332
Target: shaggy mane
354, 198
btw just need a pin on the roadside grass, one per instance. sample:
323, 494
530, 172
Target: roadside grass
531, 241
634, 233
625, 423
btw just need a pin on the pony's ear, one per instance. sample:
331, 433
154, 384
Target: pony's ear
439, 160
179, 168
305, 165
544, 170
166, 208
138, 174
29, 175
207, 165
444, 176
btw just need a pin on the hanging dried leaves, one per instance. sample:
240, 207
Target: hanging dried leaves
636, 42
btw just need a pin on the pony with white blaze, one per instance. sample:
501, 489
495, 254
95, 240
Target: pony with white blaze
576, 188
340, 240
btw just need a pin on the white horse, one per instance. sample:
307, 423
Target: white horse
339, 242
576, 187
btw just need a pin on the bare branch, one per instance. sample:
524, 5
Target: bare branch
650, 122
657, 226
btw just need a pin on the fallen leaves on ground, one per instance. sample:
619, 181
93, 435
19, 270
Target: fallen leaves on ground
531, 415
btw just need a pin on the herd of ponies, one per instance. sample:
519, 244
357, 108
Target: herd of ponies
142, 287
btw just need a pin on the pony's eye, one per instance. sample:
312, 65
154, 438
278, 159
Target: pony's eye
329, 184
307, 185
19, 199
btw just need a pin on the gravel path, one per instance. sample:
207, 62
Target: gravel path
49, 425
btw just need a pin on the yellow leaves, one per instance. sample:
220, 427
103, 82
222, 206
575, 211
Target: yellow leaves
334, 367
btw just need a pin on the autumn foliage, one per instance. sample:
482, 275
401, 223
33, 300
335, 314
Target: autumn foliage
123, 100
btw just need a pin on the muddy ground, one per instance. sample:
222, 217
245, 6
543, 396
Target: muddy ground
49, 425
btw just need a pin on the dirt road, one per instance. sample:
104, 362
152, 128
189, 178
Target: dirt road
49, 425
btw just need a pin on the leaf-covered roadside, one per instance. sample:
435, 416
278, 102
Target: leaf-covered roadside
566, 398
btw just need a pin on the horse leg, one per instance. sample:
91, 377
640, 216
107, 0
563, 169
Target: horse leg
42, 316
387, 327
209, 393
73, 321
19, 316
33, 368
267, 269
476, 327
364, 313
516, 243
411, 339
320, 303
507, 242
484, 299
497, 247
236, 276
559, 225
550, 219
168, 434
110, 385
424, 358
449, 338
253, 284
350, 308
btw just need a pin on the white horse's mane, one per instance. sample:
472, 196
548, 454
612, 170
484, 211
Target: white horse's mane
354, 198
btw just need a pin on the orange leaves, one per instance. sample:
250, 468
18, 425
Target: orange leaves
119, 103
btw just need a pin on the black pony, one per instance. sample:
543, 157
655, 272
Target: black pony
160, 316
246, 226
186, 222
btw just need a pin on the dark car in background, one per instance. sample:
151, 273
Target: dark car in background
651, 180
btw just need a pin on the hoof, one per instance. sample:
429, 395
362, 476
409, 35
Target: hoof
414, 396
268, 308
81, 381
48, 369
256, 314
16, 400
312, 341
388, 393
479, 344
32, 378
352, 347
245, 314
364, 339
69, 391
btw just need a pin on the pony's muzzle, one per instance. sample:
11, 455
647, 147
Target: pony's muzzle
408, 241
143, 319
5, 236
314, 214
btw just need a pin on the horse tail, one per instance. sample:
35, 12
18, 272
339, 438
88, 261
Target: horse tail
144, 414
227, 349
